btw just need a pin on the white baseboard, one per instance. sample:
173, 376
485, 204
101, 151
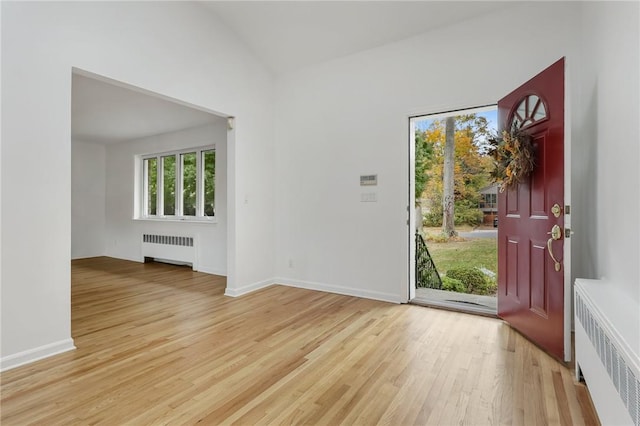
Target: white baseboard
211, 271
79, 257
347, 291
139, 259
35, 354
310, 285
235, 292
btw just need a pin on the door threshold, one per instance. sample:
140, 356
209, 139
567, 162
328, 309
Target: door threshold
455, 302
456, 306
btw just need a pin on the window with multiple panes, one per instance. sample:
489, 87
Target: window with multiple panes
179, 184
488, 201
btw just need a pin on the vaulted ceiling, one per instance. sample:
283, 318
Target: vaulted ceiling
284, 35
287, 35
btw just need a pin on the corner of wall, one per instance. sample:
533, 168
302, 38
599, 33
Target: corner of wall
35, 354
241, 291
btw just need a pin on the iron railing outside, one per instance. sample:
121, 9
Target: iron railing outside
427, 275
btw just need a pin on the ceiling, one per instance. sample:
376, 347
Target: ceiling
287, 35
107, 113
284, 35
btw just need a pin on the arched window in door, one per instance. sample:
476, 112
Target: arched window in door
530, 111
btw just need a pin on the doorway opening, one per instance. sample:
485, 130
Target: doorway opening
149, 176
455, 262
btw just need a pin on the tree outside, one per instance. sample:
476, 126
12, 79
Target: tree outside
452, 166
188, 181
448, 174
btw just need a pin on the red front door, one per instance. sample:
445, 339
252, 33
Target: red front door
530, 282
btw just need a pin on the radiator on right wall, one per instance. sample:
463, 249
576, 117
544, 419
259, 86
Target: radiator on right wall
607, 344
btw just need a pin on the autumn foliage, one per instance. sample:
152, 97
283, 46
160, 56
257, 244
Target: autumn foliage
472, 168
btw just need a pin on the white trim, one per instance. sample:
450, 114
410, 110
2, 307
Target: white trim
194, 265
139, 259
183, 219
337, 289
35, 354
410, 291
179, 151
310, 285
568, 282
210, 271
236, 292
444, 110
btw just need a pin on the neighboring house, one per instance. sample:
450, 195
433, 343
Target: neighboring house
489, 203
304, 132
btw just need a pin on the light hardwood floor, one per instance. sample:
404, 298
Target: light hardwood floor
159, 344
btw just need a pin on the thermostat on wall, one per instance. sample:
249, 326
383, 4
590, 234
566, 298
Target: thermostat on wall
368, 180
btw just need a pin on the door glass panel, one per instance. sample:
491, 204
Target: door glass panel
516, 122
533, 101
541, 112
530, 110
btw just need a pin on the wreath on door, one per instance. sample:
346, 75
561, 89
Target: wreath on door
513, 157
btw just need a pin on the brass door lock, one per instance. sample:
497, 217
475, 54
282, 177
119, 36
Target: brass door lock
556, 234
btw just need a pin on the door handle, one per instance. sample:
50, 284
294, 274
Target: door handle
556, 234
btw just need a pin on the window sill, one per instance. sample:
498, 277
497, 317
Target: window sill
176, 220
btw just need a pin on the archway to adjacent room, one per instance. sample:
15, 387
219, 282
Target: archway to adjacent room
454, 259
150, 176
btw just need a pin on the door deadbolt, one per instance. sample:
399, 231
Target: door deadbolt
556, 210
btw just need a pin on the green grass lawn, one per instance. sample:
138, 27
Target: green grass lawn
481, 253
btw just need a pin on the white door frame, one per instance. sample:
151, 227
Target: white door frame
411, 223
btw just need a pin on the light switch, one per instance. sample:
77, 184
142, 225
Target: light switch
368, 197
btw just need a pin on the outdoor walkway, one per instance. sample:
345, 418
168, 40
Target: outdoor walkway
472, 303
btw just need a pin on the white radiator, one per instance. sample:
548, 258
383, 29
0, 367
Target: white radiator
607, 339
172, 248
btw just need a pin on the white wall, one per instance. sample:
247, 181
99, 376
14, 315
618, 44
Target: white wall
87, 199
334, 122
180, 50
124, 239
348, 117
610, 104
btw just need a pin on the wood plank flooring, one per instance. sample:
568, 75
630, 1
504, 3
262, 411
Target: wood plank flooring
159, 344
